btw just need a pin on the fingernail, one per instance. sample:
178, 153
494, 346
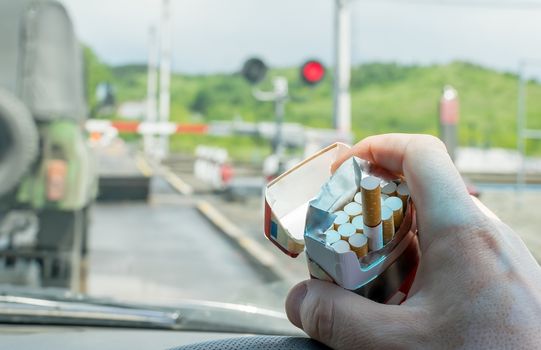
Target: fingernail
294, 302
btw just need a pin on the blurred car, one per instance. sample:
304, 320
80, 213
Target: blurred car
47, 172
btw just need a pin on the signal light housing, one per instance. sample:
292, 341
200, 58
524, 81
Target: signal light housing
254, 70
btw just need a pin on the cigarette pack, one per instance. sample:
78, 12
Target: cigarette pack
299, 207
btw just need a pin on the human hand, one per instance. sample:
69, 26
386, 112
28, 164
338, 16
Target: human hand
477, 285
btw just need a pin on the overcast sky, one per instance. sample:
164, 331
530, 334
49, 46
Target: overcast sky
218, 35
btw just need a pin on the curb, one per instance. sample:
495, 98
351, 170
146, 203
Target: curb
175, 181
254, 251
143, 165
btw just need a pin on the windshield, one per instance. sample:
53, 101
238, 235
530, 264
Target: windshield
137, 138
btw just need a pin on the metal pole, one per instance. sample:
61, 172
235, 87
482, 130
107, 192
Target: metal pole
165, 74
448, 119
281, 93
342, 68
521, 117
152, 89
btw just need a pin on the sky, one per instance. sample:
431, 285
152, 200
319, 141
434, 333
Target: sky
218, 35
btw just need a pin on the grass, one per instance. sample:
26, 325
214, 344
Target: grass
386, 97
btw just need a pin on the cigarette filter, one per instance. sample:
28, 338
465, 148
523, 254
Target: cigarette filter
358, 223
353, 209
359, 244
341, 246
358, 198
395, 204
375, 236
341, 218
383, 198
371, 192
388, 224
389, 189
403, 192
346, 230
331, 237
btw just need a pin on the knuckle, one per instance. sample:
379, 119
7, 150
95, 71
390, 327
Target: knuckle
320, 319
432, 141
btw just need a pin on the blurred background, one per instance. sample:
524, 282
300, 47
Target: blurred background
136, 137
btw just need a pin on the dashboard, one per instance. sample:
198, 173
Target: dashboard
31, 337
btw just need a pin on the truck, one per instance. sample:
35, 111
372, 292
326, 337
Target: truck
48, 178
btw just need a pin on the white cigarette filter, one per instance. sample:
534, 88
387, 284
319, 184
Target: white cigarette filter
371, 193
396, 205
341, 246
389, 189
341, 218
359, 244
375, 236
358, 198
358, 223
331, 237
353, 209
346, 230
383, 198
387, 224
403, 192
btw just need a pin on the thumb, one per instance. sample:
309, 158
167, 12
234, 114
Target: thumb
344, 320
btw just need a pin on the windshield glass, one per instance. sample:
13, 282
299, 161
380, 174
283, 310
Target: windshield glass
137, 137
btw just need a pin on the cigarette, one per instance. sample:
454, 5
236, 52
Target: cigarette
353, 209
396, 205
341, 246
346, 230
389, 189
358, 198
358, 223
341, 218
403, 192
371, 192
383, 198
375, 236
388, 224
359, 244
331, 237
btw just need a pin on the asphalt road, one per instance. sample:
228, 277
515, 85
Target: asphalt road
165, 251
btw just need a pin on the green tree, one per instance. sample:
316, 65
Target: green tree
96, 72
201, 102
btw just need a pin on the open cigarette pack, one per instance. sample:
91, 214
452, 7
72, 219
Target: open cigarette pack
308, 208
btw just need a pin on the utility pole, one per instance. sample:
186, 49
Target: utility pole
165, 74
152, 90
342, 67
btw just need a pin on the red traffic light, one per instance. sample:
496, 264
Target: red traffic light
312, 72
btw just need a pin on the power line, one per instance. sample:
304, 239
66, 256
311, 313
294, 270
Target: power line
519, 5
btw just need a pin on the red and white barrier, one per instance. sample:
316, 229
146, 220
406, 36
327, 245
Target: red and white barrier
144, 128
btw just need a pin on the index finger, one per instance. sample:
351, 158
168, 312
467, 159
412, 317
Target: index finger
436, 187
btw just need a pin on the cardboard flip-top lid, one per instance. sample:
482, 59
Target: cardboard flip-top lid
288, 196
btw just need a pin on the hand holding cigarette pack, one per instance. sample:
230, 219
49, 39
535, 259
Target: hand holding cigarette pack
357, 230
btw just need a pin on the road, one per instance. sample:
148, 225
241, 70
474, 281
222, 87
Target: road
165, 251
